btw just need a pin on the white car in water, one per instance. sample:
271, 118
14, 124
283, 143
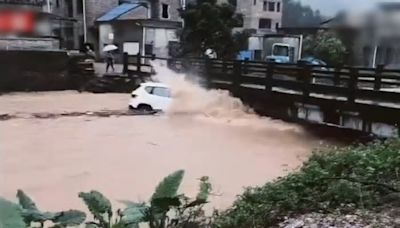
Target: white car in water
151, 96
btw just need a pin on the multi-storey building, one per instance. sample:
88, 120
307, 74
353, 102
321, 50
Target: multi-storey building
264, 16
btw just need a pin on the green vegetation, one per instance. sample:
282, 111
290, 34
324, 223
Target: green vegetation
327, 46
165, 209
357, 177
31, 214
209, 24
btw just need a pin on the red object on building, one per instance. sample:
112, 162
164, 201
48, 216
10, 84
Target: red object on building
16, 22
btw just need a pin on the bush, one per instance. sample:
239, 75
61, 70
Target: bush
346, 179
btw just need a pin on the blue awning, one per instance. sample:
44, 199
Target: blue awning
118, 11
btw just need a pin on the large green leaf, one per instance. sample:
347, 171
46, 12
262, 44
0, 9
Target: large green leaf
37, 216
134, 214
128, 203
161, 205
168, 187
70, 218
10, 215
98, 205
25, 201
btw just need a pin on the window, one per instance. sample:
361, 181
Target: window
79, 7
58, 3
255, 2
278, 7
149, 89
158, 91
271, 6
165, 11
162, 92
264, 23
281, 51
148, 49
70, 8
265, 5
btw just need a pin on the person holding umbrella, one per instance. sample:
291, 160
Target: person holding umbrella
108, 49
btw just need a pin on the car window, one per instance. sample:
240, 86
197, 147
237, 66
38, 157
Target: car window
162, 92
149, 89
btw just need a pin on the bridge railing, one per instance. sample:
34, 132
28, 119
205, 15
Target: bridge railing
342, 83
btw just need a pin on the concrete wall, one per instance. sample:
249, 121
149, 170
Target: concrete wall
160, 38
253, 12
29, 44
23, 70
71, 40
174, 5
104, 31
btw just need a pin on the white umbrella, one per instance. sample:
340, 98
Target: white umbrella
110, 47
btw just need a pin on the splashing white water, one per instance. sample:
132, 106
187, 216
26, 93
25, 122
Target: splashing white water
191, 99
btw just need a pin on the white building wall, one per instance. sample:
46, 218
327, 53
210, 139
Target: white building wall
254, 10
104, 35
160, 38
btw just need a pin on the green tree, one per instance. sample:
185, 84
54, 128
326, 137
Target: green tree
208, 24
327, 46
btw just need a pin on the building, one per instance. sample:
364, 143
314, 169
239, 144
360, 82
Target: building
70, 30
147, 26
375, 35
263, 16
26, 24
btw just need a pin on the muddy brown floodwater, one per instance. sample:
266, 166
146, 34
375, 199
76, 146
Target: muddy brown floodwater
125, 157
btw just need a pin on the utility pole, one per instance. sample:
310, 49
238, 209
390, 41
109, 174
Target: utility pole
48, 6
84, 20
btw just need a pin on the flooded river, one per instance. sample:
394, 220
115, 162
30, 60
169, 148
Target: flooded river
205, 133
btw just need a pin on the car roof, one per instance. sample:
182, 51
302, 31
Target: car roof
154, 84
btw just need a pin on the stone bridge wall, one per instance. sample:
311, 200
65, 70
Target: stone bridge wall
24, 70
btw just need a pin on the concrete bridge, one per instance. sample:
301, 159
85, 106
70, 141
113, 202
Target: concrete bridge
363, 99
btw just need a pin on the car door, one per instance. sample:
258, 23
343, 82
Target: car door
161, 98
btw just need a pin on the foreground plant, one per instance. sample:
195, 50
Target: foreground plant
31, 214
345, 179
165, 209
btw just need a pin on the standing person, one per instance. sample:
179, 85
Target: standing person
109, 61
89, 52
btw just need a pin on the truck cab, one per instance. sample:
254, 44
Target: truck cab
281, 53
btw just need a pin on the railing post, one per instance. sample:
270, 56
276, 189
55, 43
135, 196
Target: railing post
138, 62
352, 86
237, 74
378, 77
306, 79
245, 66
336, 77
125, 62
268, 77
224, 67
208, 72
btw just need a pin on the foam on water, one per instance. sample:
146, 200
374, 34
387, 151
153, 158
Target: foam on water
191, 99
